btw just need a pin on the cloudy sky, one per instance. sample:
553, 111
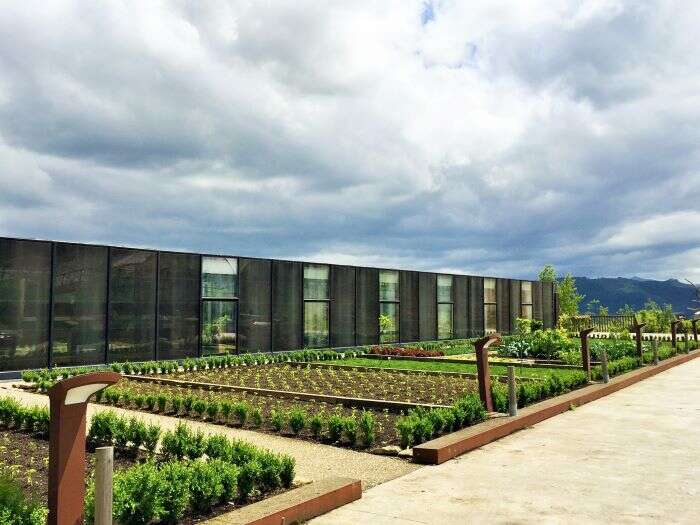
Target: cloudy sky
473, 136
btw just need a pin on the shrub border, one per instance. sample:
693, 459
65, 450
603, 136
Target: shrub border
296, 505
536, 364
452, 445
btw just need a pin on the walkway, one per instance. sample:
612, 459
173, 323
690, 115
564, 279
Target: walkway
632, 457
314, 461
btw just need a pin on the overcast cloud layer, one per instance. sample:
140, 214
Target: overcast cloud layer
483, 136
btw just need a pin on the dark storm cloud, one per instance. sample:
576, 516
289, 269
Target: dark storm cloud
486, 137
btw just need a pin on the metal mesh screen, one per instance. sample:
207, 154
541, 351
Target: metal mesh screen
547, 304
503, 299
367, 306
461, 306
178, 305
408, 313
342, 305
537, 300
286, 305
25, 281
514, 303
476, 306
132, 305
254, 305
427, 301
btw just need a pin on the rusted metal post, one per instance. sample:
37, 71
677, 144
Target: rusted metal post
695, 329
482, 368
674, 331
686, 342
637, 327
604, 365
68, 401
585, 352
512, 398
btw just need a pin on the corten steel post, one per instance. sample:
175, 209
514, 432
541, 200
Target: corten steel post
674, 330
68, 401
585, 352
482, 368
638, 333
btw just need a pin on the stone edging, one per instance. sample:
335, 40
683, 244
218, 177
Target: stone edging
452, 445
296, 505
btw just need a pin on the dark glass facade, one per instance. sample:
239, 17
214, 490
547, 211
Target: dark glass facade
64, 304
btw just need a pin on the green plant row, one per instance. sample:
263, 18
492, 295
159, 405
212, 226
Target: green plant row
15, 507
355, 430
421, 424
533, 391
33, 420
45, 378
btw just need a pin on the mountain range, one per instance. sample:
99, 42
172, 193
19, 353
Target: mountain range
616, 292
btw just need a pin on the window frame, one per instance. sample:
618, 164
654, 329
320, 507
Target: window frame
396, 302
206, 299
327, 301
487, 304
523, 303
451, 302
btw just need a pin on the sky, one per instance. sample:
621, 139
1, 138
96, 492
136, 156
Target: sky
487, 137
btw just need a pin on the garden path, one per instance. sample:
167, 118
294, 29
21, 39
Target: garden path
314, 461
631, 457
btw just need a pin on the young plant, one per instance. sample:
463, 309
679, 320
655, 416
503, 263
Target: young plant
350, 429
241, 409
367, 428
297, 420
213, 410
162, 401
277, 420
316, 424
336, 424
257, 417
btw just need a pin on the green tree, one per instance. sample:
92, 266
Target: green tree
569, 298
548, 275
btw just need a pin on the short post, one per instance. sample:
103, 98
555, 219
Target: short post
695, 329
637, 327
604, 365
686, 343
585, 352
482, 368
674, 330
104, 467
655, 349
512, 398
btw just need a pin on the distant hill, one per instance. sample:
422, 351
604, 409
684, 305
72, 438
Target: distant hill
615, 292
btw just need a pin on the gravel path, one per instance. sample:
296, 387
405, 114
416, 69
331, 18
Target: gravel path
314, 460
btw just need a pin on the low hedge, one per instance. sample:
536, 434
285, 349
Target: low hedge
399, 351
34, 420
421, 424
533, 391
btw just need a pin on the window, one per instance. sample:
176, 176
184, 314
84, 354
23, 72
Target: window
132, 303
490, 320
388, 306
219, 305
316, 305
25, 281
445, 300
526, 299
79, 305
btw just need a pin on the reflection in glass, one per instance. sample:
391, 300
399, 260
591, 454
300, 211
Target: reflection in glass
218, 327
316, 324
444, 288
132, 298
219, 277
25, 281
526, 292
316, 281
490, 322
388, 322
388, 285
80, 294
444, 319
489, 290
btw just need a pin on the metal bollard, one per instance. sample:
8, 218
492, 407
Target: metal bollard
104, 467
512, 398
604, 366
655, 350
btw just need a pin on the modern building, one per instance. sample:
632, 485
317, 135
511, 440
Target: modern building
66, 304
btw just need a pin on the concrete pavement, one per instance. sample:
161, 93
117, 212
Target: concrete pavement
631, 457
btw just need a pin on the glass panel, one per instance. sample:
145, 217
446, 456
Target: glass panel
444, 288
526, 311
526, 292
388, 285
80, 295
132, 298
490, 318
316, 324
489, 290
315, 281
25, 281
178, 307
219, 277
218, 327
444, 320
388, 322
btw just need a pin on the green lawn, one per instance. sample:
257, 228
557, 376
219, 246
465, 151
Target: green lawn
522, 371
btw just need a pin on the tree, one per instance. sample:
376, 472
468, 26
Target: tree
569, 298
547, 275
